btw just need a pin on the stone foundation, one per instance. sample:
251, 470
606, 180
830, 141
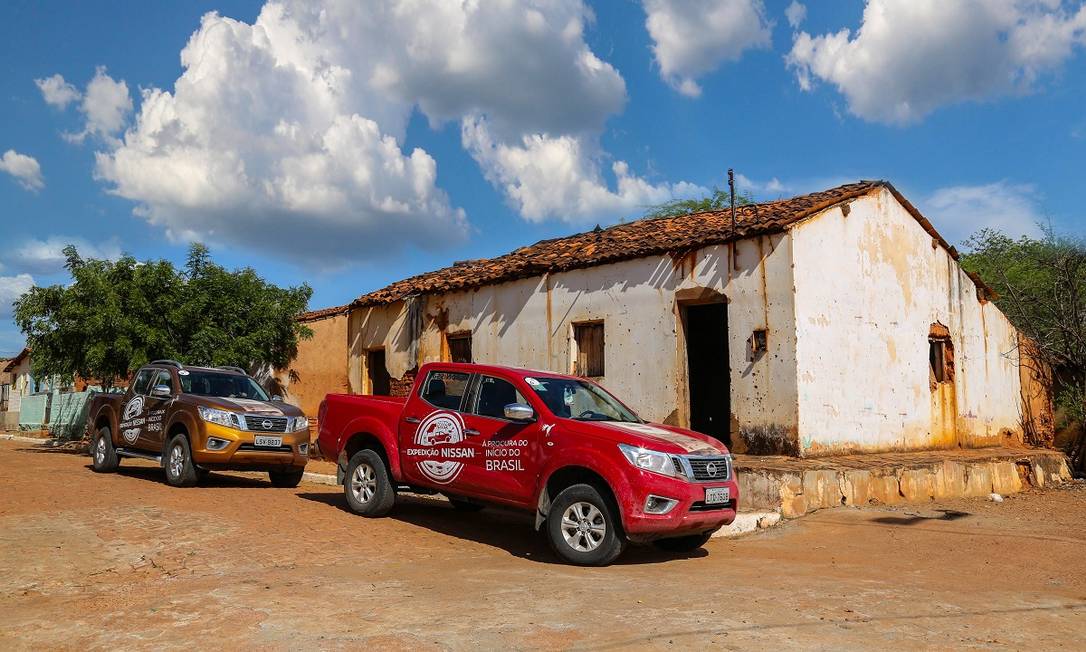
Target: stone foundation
795, 487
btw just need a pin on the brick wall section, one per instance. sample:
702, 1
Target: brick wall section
402, 386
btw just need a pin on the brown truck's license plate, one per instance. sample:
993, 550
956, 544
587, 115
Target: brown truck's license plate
715, 495
268, 442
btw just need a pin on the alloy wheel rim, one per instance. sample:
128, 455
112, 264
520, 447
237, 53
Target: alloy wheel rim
177, 461
364, 483
100, 450
583, 527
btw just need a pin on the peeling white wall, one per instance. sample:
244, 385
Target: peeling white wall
528, 323
869, 285
848, 303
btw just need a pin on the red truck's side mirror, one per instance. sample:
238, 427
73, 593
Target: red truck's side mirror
519, 412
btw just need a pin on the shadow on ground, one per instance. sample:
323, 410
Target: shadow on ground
913, 519
157, 475
497, 527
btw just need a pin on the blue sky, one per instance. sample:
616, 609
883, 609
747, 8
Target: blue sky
347, 149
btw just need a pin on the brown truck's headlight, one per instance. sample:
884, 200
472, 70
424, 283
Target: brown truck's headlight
300, 423
221, 417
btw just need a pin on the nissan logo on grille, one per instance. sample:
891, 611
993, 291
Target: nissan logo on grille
266, 424
710, 468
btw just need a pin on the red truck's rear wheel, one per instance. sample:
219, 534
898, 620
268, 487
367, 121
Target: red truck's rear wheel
367, 485
583, 527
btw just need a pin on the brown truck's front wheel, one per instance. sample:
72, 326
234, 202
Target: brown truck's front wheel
367, 485
180, 471
103, 455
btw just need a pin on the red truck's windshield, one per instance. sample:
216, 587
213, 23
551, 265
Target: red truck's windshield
580, 400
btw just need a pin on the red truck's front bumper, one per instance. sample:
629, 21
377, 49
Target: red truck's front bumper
692, 515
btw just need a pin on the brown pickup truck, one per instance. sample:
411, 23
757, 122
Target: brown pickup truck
194, 420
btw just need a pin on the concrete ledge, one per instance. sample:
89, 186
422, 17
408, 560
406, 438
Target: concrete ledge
794, 487
747, 522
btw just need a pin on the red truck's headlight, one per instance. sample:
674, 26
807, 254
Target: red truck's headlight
649, 460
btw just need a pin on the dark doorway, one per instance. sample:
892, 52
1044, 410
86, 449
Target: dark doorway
380, 381
460, 347
709, 373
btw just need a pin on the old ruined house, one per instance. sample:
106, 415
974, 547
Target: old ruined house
831, 322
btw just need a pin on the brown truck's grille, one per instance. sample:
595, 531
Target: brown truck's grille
709, 469
265, 424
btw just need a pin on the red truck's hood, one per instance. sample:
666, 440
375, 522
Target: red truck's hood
655, 436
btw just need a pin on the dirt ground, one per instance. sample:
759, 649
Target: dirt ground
124, 561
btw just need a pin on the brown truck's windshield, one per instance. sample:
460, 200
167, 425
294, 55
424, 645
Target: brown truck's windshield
210, 383
580, 400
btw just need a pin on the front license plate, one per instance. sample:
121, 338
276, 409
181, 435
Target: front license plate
715, 495
268, 442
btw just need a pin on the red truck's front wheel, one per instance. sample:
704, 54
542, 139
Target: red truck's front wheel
367, 485
583, 527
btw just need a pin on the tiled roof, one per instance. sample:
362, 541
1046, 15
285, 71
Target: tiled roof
638, 239
323, 313
14, 362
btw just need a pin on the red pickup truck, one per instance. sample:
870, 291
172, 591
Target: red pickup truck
595, 474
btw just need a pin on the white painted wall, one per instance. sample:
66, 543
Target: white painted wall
848, 303
528, 323
868, 287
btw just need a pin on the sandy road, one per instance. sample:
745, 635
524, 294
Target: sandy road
104, 561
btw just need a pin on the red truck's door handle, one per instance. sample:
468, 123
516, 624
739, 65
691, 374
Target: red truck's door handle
412, 419
471, 432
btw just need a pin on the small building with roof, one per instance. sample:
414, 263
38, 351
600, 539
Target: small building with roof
833, 322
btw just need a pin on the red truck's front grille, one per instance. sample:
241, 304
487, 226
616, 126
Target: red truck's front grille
708, 469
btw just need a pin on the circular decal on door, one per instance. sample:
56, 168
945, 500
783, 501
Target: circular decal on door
133, 408
436, 447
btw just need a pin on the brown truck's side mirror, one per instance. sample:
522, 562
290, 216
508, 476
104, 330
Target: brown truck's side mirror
162, 391
519, 412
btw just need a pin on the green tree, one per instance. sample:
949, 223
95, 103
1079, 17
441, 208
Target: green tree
118, 315
718, 200
1041, 283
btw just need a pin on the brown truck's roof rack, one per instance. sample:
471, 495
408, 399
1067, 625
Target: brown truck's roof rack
172, 363
231, 368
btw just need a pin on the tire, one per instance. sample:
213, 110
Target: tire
583, 527
180, 470
104, 457
464, 505
368, 485
285, 479
683, 544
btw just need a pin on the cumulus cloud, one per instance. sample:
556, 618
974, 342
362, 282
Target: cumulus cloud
45, 256
693, 37
960, 211
57, 92
559, 177
911, 57
105, 107
288, 133
773, 188
11, 288
796, 13
24, 169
